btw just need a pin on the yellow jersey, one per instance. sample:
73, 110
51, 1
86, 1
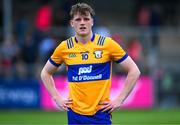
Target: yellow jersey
88, 70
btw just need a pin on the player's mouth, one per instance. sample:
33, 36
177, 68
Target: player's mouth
82, 28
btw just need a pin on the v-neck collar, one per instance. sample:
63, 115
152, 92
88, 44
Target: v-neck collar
92, 39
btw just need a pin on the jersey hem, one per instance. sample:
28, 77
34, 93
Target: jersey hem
81, 113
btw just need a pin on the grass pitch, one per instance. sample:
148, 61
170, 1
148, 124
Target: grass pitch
123, 117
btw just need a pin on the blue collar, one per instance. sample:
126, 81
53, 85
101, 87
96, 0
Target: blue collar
92, 39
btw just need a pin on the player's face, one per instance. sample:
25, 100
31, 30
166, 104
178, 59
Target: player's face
82, 24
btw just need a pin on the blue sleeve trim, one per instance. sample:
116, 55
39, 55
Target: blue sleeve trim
52, 62
122, 59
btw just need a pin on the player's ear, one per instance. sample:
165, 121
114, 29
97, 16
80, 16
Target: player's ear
71, 23
92, 22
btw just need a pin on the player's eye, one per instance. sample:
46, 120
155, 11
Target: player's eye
86, 19
78, 19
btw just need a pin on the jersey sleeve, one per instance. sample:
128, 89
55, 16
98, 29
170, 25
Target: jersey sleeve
57, 58
116, 51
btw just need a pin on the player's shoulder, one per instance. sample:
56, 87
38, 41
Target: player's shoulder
69, 42
103, 40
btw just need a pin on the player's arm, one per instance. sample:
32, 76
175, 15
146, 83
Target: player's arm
47, 78
133, 74
121, 57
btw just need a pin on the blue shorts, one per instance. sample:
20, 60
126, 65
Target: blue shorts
98, 118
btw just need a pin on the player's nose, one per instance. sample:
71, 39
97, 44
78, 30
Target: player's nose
82, 21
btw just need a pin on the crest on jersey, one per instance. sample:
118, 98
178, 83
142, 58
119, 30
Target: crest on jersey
98, 54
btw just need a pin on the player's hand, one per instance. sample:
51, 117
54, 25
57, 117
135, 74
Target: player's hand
64, 103
111, 105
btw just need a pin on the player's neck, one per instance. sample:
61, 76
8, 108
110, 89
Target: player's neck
84, 39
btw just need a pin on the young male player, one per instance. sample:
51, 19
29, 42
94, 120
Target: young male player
88, 58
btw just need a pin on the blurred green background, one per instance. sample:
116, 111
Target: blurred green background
123, 117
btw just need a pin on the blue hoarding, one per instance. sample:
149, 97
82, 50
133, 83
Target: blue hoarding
19, 94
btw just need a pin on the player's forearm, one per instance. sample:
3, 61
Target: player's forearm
129, 84
49, 84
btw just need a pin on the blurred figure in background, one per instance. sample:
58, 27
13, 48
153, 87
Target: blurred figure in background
143, 21
155, 23
46, 47
134, 49
9, 51
43, 19
29, 54
168, 88
21, 27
